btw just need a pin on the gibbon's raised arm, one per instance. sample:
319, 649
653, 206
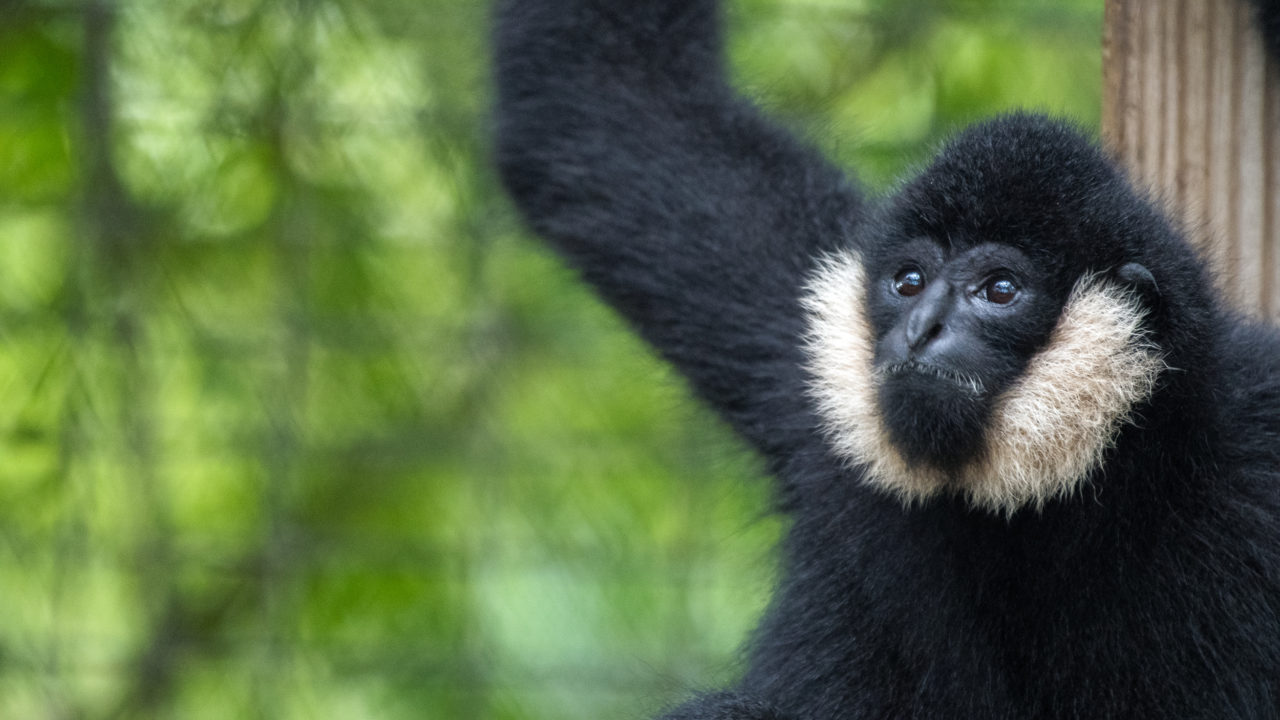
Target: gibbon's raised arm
699, 221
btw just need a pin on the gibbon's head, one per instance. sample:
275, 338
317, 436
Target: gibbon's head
990, 336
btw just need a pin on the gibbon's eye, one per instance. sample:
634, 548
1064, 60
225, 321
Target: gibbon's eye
1000, 290
909, 281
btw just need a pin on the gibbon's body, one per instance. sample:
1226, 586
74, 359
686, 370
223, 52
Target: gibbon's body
1033, 464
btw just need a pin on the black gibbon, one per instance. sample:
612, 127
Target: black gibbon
1031, 459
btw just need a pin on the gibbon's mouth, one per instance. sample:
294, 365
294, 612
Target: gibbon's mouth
966, 382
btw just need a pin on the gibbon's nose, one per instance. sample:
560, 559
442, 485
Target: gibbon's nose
925, 319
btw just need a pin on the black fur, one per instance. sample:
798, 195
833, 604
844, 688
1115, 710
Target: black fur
1155, 593
1269, 23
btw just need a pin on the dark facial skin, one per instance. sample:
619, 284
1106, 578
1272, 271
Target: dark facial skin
955, 327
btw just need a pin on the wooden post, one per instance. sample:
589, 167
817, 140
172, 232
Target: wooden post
1191, 105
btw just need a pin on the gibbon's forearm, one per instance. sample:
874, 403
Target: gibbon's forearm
724, 706
697, 219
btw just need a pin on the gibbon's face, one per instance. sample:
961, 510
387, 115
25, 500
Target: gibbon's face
965, 369
952, 329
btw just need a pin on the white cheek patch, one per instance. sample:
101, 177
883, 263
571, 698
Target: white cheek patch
1047, 432
841, 349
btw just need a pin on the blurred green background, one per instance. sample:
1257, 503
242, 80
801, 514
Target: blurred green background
299, 422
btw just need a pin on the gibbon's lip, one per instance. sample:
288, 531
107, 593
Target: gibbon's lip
969, 383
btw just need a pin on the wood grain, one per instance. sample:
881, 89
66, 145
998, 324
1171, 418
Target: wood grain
1191, 105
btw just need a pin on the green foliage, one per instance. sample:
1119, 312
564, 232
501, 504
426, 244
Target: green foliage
299, 422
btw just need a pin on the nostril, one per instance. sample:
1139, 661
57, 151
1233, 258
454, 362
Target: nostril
920, 333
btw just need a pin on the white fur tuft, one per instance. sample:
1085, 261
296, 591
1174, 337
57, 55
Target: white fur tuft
1047, 432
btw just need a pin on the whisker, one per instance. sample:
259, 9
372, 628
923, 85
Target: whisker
965, 381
